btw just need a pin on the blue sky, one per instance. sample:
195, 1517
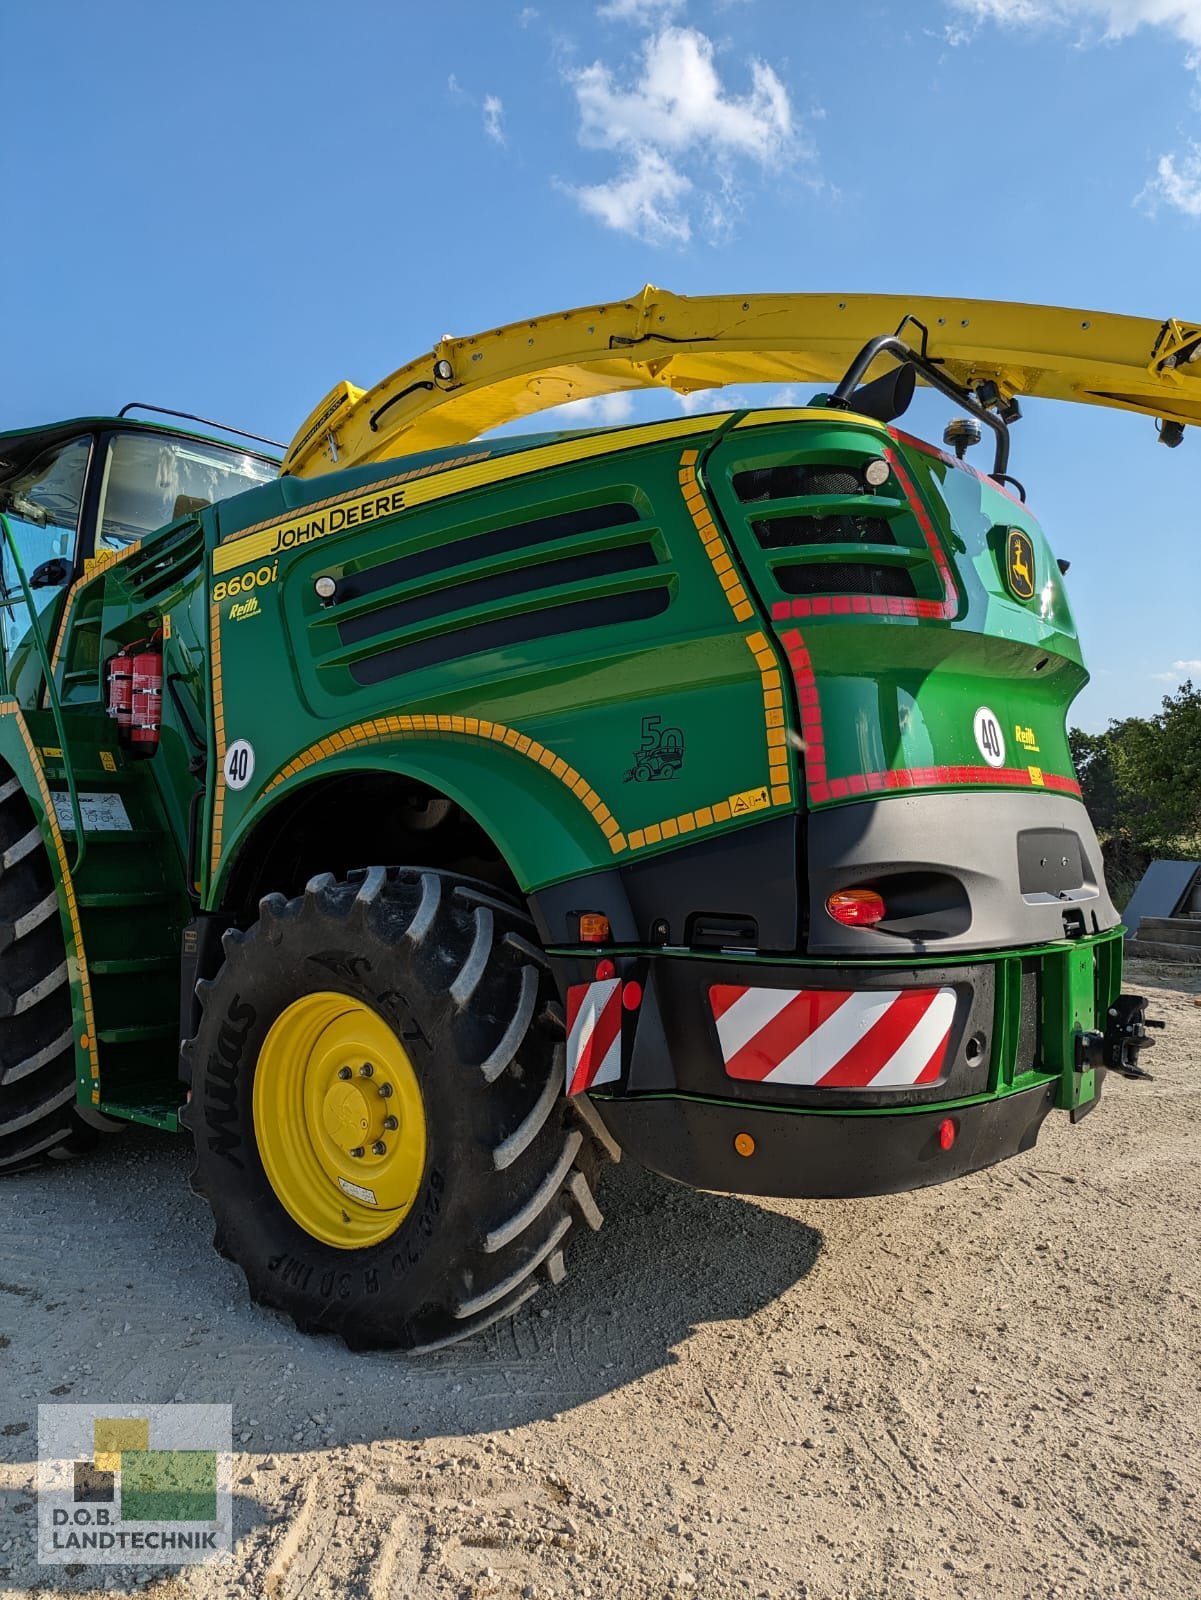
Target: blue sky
228, 207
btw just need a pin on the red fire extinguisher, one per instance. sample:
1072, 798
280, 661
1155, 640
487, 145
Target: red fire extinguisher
120, 690
147, 709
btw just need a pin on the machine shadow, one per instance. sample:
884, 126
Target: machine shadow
667, 1259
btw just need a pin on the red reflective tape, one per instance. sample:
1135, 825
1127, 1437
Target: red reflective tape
880, 1043
950, 601
787, 1030
577, 993
933, 1067
723, 995
928, 449
598, 1043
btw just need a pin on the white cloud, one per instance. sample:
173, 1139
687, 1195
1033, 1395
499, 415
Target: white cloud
705, 400
1177, 180
646, 12
1186, 666
679, 102
494, 118
678, 132
597, 411
1177, 183
643, 200
526, 15
1180, 669
1115, 19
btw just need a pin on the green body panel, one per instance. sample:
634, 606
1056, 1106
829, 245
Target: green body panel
898, 694
288, 677
617, 701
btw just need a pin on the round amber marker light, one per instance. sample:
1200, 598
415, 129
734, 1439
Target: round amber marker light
744, 1144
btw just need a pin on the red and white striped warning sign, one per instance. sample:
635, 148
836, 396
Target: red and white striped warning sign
593, 1034
833, 1038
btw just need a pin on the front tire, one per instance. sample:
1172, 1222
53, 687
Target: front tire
430, 986
38, 1116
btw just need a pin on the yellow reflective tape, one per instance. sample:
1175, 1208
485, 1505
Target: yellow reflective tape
389, 497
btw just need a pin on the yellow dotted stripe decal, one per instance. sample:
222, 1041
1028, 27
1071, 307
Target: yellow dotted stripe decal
92, 568
87, 1040
380, 729
218, 735
773, 718
711, 539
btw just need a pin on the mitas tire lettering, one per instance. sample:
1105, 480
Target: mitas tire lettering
220, 1081
468, 1250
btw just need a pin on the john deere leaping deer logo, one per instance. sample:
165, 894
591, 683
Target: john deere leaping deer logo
1019, 564
661, 754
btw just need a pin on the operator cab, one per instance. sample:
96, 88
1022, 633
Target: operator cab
83, 490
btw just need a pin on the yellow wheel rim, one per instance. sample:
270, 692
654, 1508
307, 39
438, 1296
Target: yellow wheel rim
339, 1120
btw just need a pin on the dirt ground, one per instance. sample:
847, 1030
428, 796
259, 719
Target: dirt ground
987, 1389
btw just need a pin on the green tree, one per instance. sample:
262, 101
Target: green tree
1142, 777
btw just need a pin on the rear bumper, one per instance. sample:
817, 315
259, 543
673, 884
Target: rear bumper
812, 1156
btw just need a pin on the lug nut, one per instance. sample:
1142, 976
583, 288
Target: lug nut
379, 1148
391, 1124
344, 1072
366, 1070
385, 1090
358, 1151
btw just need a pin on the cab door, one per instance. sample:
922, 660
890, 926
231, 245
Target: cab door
42, 507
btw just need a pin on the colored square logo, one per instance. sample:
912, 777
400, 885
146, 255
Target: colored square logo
122, 1487
169, 1485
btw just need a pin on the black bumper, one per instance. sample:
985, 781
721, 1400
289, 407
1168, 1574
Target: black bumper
820, 1156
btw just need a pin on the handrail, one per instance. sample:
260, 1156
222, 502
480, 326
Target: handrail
890, 344
39, 641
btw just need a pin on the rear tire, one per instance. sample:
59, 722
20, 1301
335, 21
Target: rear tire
509, 1171
38, 1116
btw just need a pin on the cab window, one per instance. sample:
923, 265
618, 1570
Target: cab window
150, 481
42, 504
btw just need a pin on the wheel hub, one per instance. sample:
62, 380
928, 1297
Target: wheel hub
339, 1120
344, 1114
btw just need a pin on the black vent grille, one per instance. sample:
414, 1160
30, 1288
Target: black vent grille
785, 533
486, 547
154, 572
638, 605
498, 586
462, 597
846, 577
793, 481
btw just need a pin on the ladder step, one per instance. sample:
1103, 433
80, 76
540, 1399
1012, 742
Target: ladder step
107, 968
149, 1112
139, 1033
100, 899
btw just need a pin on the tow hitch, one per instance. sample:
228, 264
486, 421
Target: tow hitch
1125, 1035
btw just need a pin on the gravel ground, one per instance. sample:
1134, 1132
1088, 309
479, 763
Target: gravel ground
987, 1389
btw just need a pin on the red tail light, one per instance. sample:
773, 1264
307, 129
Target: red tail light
857, 908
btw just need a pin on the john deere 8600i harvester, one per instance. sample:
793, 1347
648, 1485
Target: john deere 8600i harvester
473, 809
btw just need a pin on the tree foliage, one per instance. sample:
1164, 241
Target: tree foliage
1142, 777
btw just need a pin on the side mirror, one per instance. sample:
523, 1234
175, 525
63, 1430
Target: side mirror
51, 574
